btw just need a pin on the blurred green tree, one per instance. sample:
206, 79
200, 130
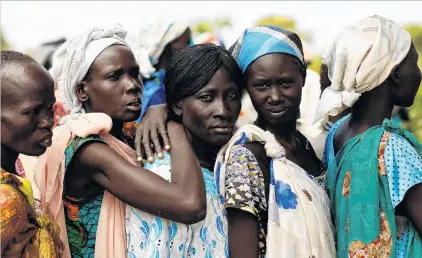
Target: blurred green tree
277, 21
315, 64
290, 24
4, 44
284, 23
415, 111
202, 26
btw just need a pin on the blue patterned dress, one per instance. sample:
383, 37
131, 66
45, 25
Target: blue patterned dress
152, 236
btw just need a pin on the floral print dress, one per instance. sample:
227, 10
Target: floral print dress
245, 189
151, 236
294, 220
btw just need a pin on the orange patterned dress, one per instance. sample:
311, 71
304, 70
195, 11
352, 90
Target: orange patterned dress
23, 232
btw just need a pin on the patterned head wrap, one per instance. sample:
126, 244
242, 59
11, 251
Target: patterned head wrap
258, 41
153, 37
81, 52
360, 59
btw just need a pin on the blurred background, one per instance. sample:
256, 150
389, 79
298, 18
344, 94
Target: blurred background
39, 27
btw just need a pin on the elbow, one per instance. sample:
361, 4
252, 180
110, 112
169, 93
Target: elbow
195, 210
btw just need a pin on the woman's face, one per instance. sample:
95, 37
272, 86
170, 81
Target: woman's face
410, 81
274, 84
27, 100
211, 113
181, 42
114, 85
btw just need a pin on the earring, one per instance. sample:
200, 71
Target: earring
298, 113
84, 98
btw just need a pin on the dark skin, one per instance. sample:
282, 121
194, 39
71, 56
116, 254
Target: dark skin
173, 47
152, 127
210, 116
27, 99
274, 83
374, 106
113, 87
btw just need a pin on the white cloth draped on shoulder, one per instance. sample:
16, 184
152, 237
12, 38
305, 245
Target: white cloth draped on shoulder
299, 222
81, 53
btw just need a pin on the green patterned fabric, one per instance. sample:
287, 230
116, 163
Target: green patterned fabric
360, 196
81, 215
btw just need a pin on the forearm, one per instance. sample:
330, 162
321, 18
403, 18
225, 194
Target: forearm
186, 171
140, 188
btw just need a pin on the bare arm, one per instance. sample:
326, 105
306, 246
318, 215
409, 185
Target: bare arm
412, 207
183, 200
243, 206
243, 234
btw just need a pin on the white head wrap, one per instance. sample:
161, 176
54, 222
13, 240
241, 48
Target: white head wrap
58, 60
153, 38
361, 58
81, 53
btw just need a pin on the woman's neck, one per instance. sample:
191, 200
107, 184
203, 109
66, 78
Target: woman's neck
117, 129
162, 64
8, 159
371, 109
283, 132
206, 153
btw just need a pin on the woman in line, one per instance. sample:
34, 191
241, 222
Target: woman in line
158, 40
27, 98
268, 172
374, 165
89, 172
25, 164
203, 85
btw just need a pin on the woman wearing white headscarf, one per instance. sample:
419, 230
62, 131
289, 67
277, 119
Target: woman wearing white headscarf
157, 41
90, 171
374, 166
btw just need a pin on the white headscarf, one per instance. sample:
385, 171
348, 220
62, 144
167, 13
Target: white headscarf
153, 38
57, 61
361, 58
81, 52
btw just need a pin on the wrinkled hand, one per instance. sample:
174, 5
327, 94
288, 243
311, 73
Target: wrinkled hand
151, 127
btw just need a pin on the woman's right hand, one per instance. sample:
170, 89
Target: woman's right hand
150, 128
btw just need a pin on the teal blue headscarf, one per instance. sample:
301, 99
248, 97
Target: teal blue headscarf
258, 41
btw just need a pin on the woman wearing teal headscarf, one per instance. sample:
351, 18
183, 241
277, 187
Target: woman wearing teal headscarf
374, 165
268, 173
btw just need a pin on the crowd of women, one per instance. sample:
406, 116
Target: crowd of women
144, 158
